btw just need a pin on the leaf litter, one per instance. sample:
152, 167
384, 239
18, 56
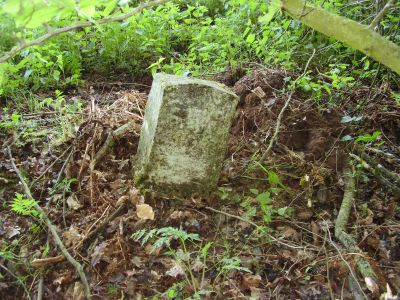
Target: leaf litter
241, 261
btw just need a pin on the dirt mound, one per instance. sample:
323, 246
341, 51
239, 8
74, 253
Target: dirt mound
304, 128
269, 81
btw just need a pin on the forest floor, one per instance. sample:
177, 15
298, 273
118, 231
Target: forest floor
267, 233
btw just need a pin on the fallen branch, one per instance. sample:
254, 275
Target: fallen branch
17, 279
352, 275
40, 288
77, 25
381, 14
380, 169
388, 157
78, 267
374, 170
352, 33
103, 224
279, 119
110, 142
346, 239
44, 262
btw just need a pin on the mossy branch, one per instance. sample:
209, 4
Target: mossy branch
352, 33
346, 239
78, 267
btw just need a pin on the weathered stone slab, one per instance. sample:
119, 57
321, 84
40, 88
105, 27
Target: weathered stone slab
184, 135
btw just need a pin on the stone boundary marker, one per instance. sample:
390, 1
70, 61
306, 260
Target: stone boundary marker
184, 136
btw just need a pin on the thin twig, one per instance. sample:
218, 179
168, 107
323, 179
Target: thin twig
18, 280
345, 261
78, 267
48, 168
40, 288
381, 14
64, 166
108, 145
103, 224
77, 25
279, 119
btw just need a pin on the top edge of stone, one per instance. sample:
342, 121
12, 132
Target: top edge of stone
169, 79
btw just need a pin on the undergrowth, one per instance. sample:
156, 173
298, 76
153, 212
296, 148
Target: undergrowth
198, 39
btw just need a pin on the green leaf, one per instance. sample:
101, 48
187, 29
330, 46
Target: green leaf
25, 207
273, 9
250, 38
15, 118
346, 138
205, 249
109, 8
254, 191
368, 138
264, 198
273, 178
88, 11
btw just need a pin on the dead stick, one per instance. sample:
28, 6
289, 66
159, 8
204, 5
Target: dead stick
381, 14
375, 171
78, 267
279, 119
346, 239
103, 224
395, 178
110, 142
43, 262
40, 288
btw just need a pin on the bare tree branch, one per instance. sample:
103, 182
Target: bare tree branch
58, 31
78, 267
381, 14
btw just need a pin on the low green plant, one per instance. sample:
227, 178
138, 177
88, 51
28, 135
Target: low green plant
396, 98
185, 258
10, 121
24, 207
370, 138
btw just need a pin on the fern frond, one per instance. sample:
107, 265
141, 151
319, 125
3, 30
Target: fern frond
24, 207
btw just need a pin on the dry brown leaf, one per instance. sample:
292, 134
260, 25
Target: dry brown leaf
144, 212
198, 266
122, 200
12, 231
315, 231
98, 253
304, 215
175, 271
135, 197
72, 237
251, 281
116, 184
73, 202
290, 233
